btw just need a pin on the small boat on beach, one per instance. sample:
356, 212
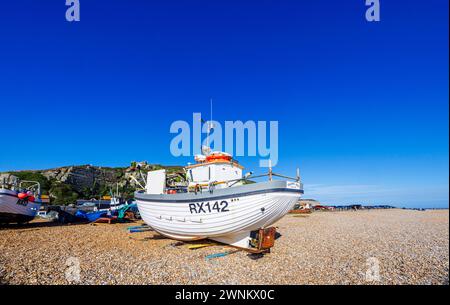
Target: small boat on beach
217, 202
113, 204
19, 202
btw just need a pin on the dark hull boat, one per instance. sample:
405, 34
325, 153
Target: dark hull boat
14, 209
14, 218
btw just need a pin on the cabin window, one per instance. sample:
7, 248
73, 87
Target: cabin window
190, 174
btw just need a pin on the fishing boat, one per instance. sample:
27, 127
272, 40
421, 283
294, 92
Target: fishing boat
19, 202
116, 202
218, 202
113, 205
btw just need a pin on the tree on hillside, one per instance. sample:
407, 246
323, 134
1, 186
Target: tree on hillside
63, 194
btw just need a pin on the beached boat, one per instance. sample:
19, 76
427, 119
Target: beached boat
218, 203
19, 203
114, 204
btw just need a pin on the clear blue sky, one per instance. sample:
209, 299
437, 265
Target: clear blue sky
362, 107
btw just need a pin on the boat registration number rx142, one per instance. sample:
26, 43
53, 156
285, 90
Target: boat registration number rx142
209, 207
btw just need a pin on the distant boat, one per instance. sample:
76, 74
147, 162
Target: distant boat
19, 203
116, 203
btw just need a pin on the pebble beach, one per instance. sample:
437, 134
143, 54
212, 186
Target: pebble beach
353, 247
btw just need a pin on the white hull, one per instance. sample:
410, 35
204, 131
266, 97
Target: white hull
244, 213
11, 209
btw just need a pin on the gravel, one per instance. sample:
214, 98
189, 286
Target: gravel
363, 247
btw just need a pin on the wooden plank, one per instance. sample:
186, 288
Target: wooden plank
198, 246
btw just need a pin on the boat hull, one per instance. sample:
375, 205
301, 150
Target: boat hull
226, 215
12, 211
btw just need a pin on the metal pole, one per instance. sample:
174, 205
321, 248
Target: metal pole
283, 176
137, 182
270, 170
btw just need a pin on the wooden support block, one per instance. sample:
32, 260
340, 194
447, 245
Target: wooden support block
193, 247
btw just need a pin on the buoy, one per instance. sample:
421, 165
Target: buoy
22, 195
31, 198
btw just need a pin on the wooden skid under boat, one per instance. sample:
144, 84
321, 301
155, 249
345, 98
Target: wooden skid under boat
108, 220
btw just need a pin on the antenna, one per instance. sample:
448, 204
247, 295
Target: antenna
211, 104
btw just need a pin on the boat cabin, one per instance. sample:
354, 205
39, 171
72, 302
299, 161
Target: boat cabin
217, 167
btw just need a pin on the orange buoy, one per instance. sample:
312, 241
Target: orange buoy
22, 195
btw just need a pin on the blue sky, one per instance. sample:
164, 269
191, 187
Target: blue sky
362, 107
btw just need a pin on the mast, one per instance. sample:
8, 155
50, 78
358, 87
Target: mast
211, 104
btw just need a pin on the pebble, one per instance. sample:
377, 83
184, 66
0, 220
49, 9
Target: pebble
364, 247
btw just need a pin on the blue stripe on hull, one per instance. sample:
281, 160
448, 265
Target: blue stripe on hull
144, 197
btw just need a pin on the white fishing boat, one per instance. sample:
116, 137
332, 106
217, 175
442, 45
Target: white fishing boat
116, 202
19, 203
218, 203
